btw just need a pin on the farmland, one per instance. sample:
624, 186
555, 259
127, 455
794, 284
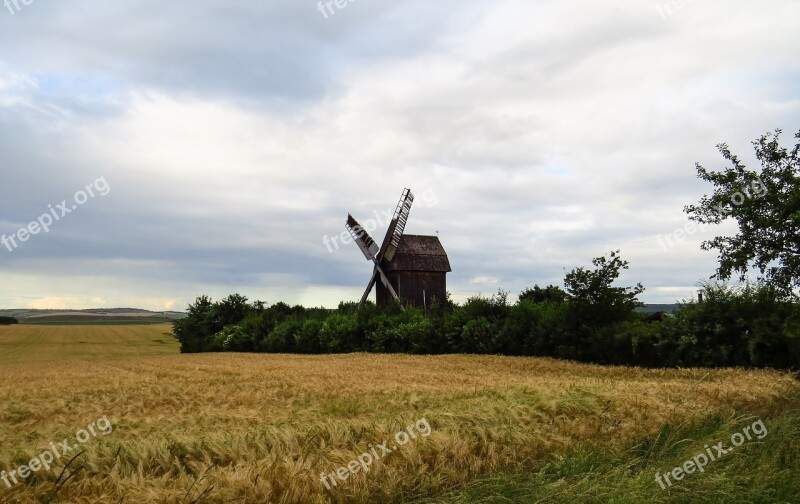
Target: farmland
257, 428
113, 316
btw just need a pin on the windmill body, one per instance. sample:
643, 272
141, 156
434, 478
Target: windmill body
411, 269
418, 272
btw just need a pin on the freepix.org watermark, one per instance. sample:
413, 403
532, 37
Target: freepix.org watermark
56, 452
365, 460
716, 452
426, 199
755, 190
326, 7
14, 6
665, 9
55, 214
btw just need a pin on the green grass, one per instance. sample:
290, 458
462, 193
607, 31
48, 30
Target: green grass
29, 343
97, 322
763, 471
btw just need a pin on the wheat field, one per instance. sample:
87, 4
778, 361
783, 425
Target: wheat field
261, 428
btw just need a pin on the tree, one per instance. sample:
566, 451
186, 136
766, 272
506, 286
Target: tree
596, 303
193, 331
538, 294
231, 310
596, 311
766, 207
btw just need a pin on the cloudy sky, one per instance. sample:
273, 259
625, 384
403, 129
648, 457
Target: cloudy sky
221, 142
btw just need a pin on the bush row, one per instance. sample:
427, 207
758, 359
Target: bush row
751, 326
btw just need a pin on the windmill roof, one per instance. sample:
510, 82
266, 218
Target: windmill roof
419, 253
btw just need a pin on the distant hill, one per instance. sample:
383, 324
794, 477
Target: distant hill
94, 316
654, 308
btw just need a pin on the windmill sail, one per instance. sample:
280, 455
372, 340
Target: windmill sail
364, 241
397, 226
380, 257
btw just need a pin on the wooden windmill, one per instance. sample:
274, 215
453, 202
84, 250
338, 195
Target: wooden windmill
410, 268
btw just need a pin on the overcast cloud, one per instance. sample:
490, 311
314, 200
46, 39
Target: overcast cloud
235, 135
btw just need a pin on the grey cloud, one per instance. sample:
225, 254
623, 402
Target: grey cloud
236, 136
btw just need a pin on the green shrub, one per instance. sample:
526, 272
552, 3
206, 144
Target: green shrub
194, 332
283, 337
753, 325
339, 333
232, 338
398, 332
306, 339
475, 327
479, 336
592, 321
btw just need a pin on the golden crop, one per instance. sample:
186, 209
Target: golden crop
261, 428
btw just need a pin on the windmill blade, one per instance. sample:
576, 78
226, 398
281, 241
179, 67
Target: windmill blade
364, 241
389, 246
370, 250
376, 273
397, 226
369, 288
386, 283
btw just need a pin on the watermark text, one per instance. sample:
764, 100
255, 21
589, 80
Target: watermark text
711, 454
56, 452
365, 460
54, 214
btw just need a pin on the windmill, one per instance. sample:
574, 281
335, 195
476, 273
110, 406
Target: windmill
410, 268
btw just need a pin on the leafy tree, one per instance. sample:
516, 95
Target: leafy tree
232, 338
194, 331
262, 321
594, 300
595, 310
340, 333
745, 325
231, 310
476, 326
306, 340
766, 207
541, 295
404, 331
282, 338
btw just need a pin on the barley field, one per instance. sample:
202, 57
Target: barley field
264, 428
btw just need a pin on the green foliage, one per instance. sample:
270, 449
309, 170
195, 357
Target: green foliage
752, 325
763, 472
397, 332
597, 310
593, 300
231, 310
232, 338
306, 339
475, 327
194, 332
550, 293
8, 321
339, 333
283, 338
766, 208
592, 321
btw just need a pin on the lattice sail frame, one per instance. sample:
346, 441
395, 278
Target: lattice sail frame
381, 256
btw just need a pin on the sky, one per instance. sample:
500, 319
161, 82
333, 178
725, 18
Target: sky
152, 151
